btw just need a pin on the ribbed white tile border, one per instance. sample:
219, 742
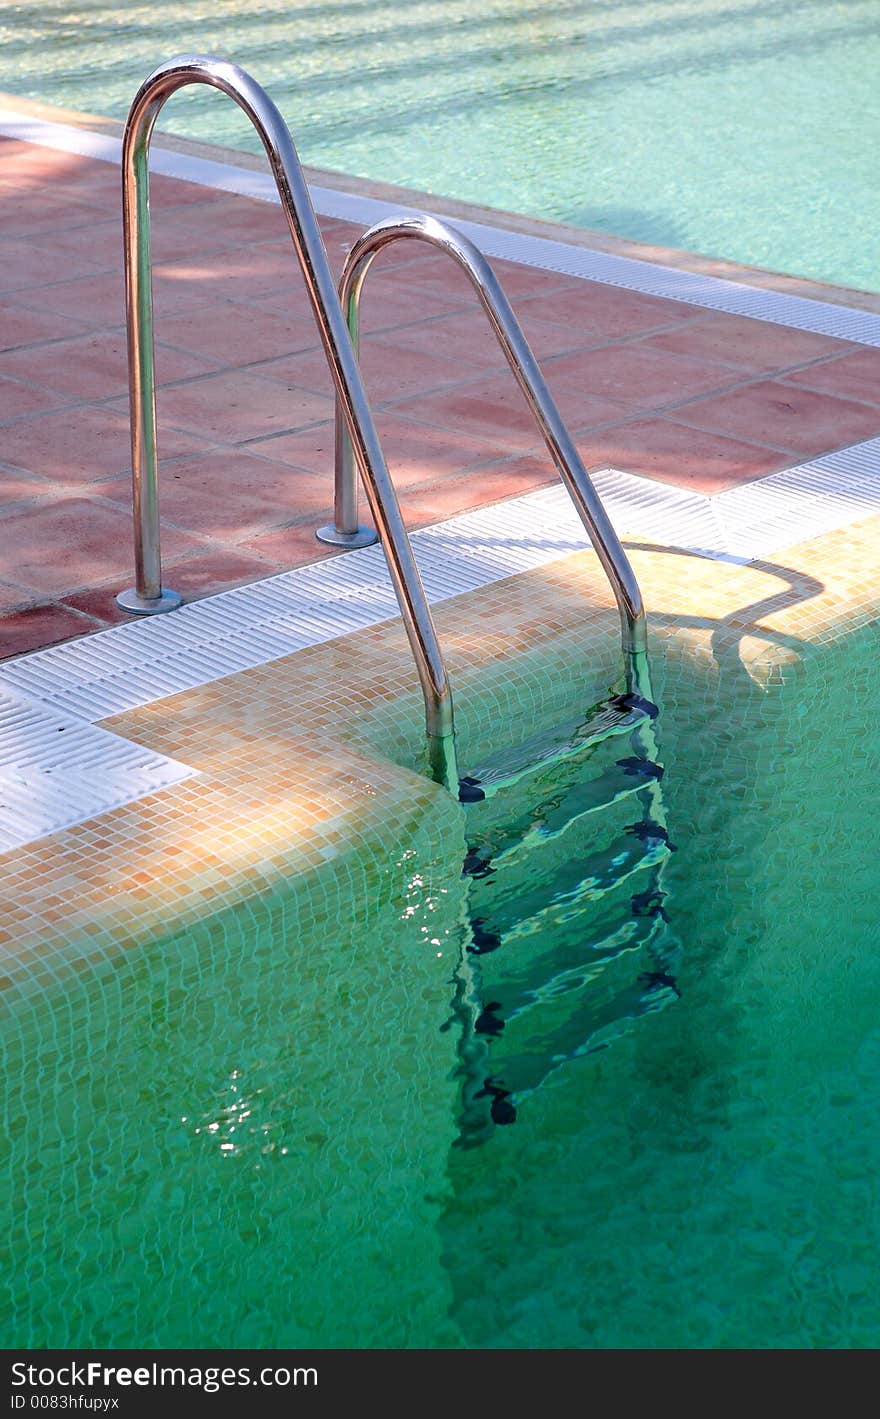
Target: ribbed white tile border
57, 770
143, 661
709, 292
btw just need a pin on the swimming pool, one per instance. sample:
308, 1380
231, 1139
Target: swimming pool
219, 1136
734, 129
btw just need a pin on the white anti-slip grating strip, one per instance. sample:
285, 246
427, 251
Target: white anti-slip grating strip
57, 770
708, 292
143, 661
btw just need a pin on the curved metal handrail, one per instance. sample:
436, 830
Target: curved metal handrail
528, 375
148, 595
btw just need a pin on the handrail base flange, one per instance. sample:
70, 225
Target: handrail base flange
363, 537
132, 601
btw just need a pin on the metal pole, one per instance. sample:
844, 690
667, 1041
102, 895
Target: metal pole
528, 375
148, 594
345, 530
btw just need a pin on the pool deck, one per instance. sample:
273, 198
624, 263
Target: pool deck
685, 396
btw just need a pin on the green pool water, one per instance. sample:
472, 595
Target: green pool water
736, 128
256, 1131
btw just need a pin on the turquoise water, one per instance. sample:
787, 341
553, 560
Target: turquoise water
227, 1136
741, 130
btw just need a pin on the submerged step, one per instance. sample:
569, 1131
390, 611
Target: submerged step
569, 936
524, 1031
557, 806
508, 767
521, 897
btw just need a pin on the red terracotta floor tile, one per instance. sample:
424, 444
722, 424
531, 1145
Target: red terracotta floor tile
236, 407
100, 300
101, 243
440, 500
98, 242
418, 255
71, 170
246, 244
592, 309
17, 399
415, 452
232, 220
386, 305
86, 180
22, 488
92, 300
494, 409
78, 445
36, 626
672, 453
389, 371
781, 414
854, 375
749, 344
229, 273
194, 577
21, 326
33, 212
438, 276
30, 164
26, 263
12, 597
93, 366
465, 338
226, 334
468, 337
311, 449
389, 301
442, 276
99, 198
520, 282
174, 192
31, 180
634, 375
74, 543
291, 547
232, 495
13, 148
100, 602
338, 226
217, 570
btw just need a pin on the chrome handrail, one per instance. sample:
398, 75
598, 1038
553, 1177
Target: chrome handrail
525, 367
148, 595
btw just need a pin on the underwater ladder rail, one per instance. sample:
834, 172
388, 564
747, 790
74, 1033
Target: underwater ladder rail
357, 439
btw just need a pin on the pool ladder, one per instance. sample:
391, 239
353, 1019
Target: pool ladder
357, 442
